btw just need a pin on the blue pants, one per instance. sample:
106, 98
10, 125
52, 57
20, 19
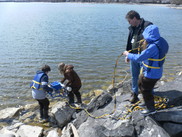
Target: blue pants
135, 71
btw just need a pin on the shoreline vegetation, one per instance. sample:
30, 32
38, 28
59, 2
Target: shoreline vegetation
177, 4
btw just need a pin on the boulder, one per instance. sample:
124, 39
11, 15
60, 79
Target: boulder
8, 113
7, 135
53, 133
30, 131
173, 115
151, 128
5, 132
62, 113
69, 131
174, 129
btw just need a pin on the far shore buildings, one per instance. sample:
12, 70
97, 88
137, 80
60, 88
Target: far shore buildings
99, 1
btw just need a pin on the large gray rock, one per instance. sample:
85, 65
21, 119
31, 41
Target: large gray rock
30, 131
105, 127
147, 126
99, 101
120, 129
12, 129
172, 90
90, 130
53, 133
9, 113
151, 128
7, 135
8, 132
69, 131
62, 113
174, 129
170, 115
80, 118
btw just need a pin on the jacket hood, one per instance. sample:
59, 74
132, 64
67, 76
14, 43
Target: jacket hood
39, 71
151, 33
68, 67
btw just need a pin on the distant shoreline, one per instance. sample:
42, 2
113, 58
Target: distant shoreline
166, 5
149, 4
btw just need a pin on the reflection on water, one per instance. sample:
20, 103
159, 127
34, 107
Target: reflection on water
89, 36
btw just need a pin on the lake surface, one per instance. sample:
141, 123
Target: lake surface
88, 36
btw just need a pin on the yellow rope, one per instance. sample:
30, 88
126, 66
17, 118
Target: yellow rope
113, 85
161, 103
129, 108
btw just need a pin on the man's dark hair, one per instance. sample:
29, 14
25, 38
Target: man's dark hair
46, 68
131, 14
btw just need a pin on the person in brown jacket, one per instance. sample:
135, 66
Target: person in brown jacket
73, 81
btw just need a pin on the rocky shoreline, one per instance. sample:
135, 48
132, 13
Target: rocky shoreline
107, 115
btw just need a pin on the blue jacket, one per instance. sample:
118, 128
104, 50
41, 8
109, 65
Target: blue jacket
36, 82
154, 55
39, 85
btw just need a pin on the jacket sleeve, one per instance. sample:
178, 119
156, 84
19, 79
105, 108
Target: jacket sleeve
69, 74
150, 52
44, 82
62, 81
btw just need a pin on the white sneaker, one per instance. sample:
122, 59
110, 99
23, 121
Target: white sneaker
147, 112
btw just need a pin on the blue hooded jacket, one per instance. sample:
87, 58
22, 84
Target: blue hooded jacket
154, 55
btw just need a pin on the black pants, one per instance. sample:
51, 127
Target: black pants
146, 86
77, 94
44, 107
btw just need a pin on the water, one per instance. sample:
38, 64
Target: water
89, 36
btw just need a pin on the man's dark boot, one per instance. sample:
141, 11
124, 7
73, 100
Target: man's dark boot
79, 100
71, 98
134, 98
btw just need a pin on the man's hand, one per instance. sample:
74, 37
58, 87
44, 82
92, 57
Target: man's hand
125, 53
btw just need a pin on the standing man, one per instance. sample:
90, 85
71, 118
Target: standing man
39, 87
137, 26
152, 59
